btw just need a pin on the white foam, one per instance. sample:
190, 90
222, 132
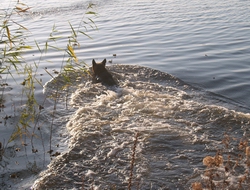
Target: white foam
174, 128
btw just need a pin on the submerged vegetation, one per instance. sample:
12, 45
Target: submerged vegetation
228, 169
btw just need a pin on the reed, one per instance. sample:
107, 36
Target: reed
132, 162
227, 169
13, 45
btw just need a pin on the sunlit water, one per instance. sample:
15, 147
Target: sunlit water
180, 118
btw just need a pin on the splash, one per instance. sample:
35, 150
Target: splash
176, 129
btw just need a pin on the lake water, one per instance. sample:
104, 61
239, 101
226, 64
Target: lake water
194, 90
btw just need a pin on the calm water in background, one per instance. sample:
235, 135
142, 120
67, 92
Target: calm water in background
204, 43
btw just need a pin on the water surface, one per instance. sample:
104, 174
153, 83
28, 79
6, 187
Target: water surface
205, 45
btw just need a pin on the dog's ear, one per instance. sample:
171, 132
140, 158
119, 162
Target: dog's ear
104, 62
93, 63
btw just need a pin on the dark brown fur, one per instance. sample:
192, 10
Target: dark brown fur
101, 74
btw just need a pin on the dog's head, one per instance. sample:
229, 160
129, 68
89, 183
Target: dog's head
98, 68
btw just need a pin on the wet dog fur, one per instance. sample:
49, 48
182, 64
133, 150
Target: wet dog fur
101, 74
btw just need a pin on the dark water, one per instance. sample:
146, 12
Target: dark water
204, 45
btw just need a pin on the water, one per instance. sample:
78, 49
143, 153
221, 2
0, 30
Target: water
204, 45
177, 128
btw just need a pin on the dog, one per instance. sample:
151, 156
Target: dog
101, 74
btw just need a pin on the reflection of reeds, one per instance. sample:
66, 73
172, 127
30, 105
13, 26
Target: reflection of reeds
132, 161
231, 173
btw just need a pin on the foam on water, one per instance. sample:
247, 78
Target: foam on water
176, 129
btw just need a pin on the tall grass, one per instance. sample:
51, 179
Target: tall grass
13, 45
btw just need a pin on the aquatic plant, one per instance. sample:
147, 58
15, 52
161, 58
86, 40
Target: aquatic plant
27, 125
12, 35
132, 161
229, 168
